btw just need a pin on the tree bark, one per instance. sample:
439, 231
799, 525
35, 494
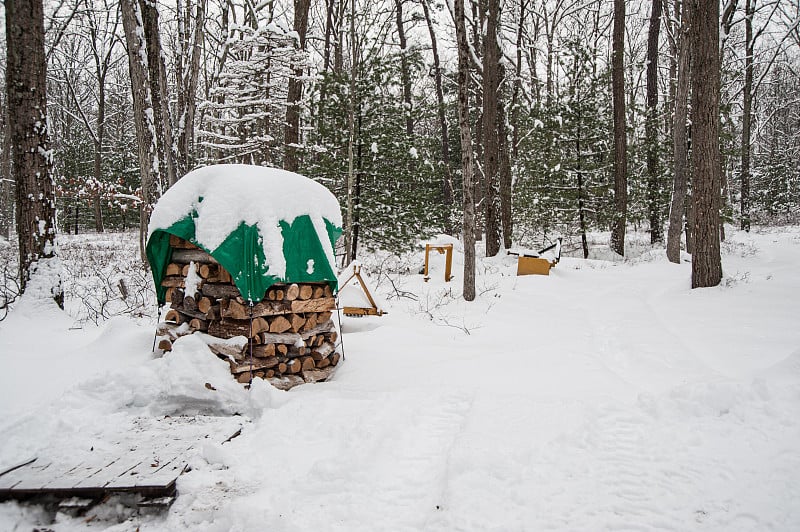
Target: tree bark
620, 140
329, 31
26, 88
504, 169
447, 180
98, 153
405, 75
651, 125
143, 115
350, 251
706, 262
468, 226
295, 91
680, 149
747, 107
6, 177
188, 74
491, 139
158, 91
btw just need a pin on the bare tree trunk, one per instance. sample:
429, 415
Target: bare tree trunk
620, 140
504, 171
98, 154
523, 7
158, 91
405, 75
143, 115
679, 141
581, 202
491, 140
747, 107
447, 181
706, 262
26, 87
6, 178
651, 126
466, 151
329, 31
350, 251
295, 91
188, 75
338, 51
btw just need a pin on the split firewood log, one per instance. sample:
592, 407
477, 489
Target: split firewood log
297, 322
174, 316
294, 366
230, 328
213, 313
292, 292
204, 304
258, 363
323, 351
281, 338
177, 297
317, 375
264, 350
241, 311
306, 292
198, 325
189, 314
313, 305
220, 290
296, 351
189, 303
311, 321
279, 324
174, 269
207, 270
185, 256
173, 281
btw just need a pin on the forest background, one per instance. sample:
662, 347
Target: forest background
363, 97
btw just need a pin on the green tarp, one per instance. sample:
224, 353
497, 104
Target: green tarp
242, 255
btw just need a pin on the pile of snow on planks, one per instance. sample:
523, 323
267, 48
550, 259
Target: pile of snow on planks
292, 339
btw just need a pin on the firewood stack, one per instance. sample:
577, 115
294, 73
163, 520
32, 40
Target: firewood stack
292, 339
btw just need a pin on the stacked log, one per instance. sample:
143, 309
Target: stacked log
287, 338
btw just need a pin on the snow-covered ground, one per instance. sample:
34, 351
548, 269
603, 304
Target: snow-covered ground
606, 396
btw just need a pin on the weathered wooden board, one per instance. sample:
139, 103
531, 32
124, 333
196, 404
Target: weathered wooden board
145, 457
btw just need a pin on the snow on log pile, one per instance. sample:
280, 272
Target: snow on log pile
291, 340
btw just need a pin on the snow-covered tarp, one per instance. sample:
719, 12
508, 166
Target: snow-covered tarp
264, 225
